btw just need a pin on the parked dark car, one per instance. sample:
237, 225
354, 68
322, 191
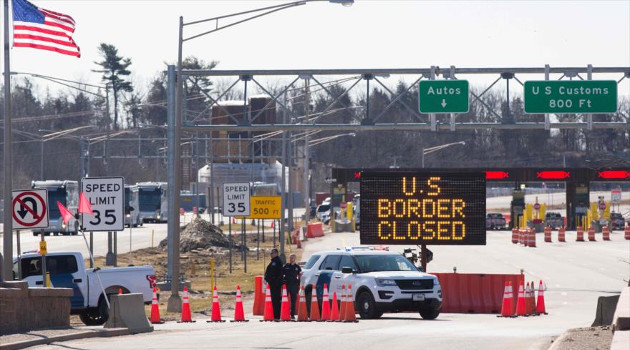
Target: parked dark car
617, 221
554, 220
495, 221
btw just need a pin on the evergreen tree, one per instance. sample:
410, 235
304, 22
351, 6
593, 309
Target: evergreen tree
114, 70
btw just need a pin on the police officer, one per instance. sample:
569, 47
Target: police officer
292, 274
274, 277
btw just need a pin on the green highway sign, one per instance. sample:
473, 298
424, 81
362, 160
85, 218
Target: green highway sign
443, 96
571, 96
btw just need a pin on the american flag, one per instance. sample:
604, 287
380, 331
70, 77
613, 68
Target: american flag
43, 29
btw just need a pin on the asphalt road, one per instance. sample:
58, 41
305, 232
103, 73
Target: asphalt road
140, 238
576, 274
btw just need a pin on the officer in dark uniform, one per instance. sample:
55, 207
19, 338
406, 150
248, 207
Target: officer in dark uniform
292, 274
274, 277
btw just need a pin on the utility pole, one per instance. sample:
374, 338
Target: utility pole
7, 240
174, 182
284, 176
307, 170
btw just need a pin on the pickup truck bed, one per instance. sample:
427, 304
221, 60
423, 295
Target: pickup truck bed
67, 270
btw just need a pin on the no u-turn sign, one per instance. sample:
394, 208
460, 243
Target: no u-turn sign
30, 209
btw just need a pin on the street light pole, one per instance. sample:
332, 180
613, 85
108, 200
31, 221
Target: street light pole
426, 151
7, 238
174, 169
41, 159
174, 178
307, 197
422, 153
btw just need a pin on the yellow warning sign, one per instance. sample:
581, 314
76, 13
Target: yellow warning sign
265, 207
42, 248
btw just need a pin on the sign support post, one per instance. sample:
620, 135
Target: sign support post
236, 203
91, 249
43, 253
19, 255
243, 225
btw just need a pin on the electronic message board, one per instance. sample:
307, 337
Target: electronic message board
423, 207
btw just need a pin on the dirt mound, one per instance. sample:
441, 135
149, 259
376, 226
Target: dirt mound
200, 235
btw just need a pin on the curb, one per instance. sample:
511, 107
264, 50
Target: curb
113, 332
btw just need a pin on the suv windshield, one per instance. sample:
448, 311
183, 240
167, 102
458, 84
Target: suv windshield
323, 208
370, 263
311, 261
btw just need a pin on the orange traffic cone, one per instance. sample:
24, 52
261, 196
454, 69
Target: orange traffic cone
605, 233
325, 305
520, 303
268, 314
350, 315
580, 234
342, 310
526, 298
285, 311
532, 238
302, 313
314, 305
532, 299
186, 315
239, 313
533, 294
548, 234
155, 309
540, 305
561, 235
334, 314
626, 233
515, 235
216, 309
506, 307
591, 234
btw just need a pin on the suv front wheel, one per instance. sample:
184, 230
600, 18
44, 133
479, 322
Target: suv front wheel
429, 314
367, 306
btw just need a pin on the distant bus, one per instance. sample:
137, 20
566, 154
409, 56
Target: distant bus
67, 193
188, 200
153, 201
132, 206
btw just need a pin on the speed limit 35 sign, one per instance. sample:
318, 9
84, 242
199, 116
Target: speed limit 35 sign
236, 199
106, 196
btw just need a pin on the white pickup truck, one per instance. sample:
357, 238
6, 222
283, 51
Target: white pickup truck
67, 270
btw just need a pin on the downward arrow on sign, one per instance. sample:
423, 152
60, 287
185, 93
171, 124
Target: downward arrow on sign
443, 103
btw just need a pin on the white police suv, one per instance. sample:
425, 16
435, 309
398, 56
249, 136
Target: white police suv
382, 281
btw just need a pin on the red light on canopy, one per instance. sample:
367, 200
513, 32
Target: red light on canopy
357, 174
497, 175
553, 175
613, 174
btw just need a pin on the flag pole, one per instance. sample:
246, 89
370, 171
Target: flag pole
8, 166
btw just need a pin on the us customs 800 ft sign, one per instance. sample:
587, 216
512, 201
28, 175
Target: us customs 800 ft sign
418, 207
